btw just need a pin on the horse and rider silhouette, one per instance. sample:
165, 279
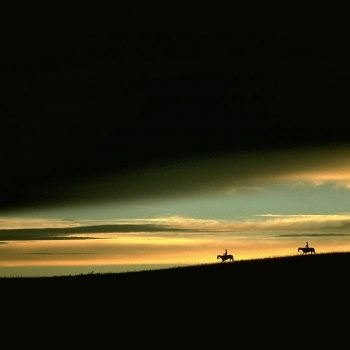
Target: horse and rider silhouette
225, 256
307, 249
304, 250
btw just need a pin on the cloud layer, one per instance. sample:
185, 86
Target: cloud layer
230, 174
172, 240
176, 226
67, 233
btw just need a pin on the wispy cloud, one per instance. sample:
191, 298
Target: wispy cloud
338, 176
61, 253
27, 223
329, 235
76, 232
176, 226
264, 224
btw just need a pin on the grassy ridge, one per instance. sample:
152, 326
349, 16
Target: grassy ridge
319, 273
261, 296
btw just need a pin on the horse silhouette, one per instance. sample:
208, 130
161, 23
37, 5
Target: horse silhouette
307, 250
225, 257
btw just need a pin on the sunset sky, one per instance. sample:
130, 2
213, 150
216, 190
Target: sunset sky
158, 144
253, 205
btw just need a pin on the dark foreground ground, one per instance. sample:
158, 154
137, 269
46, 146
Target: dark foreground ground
293, 299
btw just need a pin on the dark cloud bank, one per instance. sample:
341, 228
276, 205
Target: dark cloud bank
107, 96
64, 233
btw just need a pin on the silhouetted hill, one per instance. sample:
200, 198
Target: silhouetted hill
289, 296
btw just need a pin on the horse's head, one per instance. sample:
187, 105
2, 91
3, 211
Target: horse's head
217, 257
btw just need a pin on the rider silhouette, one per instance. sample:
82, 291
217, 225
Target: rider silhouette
225, 254
307, 245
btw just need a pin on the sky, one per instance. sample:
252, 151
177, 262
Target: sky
144, 141
254, 206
